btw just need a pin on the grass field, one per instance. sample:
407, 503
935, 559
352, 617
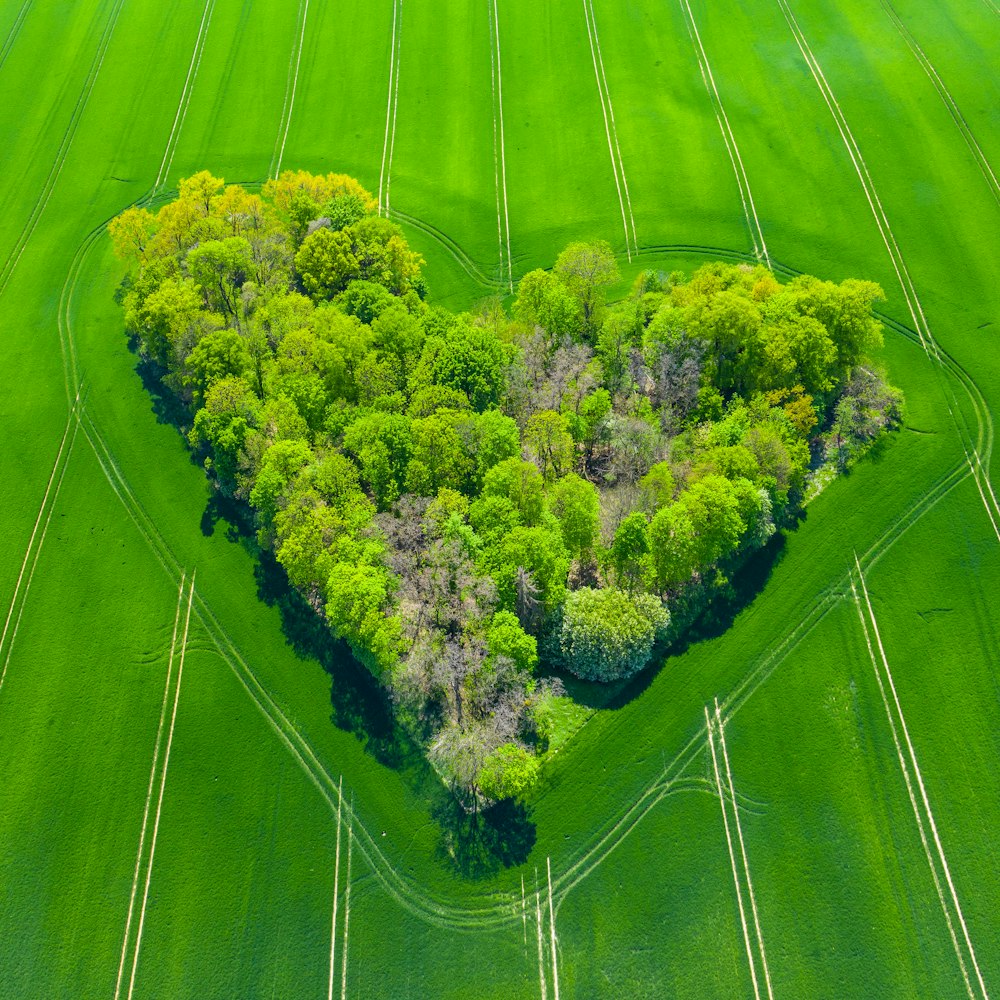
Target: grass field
180, 816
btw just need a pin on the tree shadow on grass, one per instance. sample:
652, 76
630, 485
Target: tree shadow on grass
479, 843
359, 703
474, 845
706, 613
167, 408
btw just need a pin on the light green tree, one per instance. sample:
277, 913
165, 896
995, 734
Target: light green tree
577, 505
608, 635
508, 772
549, 441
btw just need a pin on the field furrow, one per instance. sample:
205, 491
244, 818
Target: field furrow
261, 829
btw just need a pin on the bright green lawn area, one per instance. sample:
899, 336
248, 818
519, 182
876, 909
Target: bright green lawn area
103, 512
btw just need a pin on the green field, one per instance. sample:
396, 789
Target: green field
181, 815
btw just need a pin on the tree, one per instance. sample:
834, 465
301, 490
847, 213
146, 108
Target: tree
489, 439
230, 412
130, 233
508, 772
200, 189
326, 263
357, 597
506, 638
282, 462
521, 483
608, 635
549, 441
656, 488
713, 507
221, 267
437, 447
220, 354
170, 321
589, 423
543, 300
471, 360
619, 334
537, 551
577, 505
673, 545
461, 752
629, 554
588, 270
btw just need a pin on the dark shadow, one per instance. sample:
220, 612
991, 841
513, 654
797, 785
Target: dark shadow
234, 515
167, 408
702, 612
479, 843
746, 580
360, 704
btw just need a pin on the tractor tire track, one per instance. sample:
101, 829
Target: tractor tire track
865, 621
982, 447
499, 144
157, 745
159, 801
185, 99
608, 111
742, 180
15, 30
83, 98
949, 102
392, 103
288, 107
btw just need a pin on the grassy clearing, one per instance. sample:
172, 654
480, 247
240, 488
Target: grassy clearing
643, 889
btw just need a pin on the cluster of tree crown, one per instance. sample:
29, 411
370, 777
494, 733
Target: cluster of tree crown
456, 491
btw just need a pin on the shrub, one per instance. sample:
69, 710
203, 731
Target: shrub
608, 635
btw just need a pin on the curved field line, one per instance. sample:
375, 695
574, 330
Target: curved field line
398, 885
910, 793
83, 98
185, 99
286, 119
15, 30
159, 801
710, 728
502, 910
949, 102
149, 792
742, 181
921, 325
461, 257
615, 164
451, 916
671, 777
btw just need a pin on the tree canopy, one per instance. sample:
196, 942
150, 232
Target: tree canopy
453, 493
